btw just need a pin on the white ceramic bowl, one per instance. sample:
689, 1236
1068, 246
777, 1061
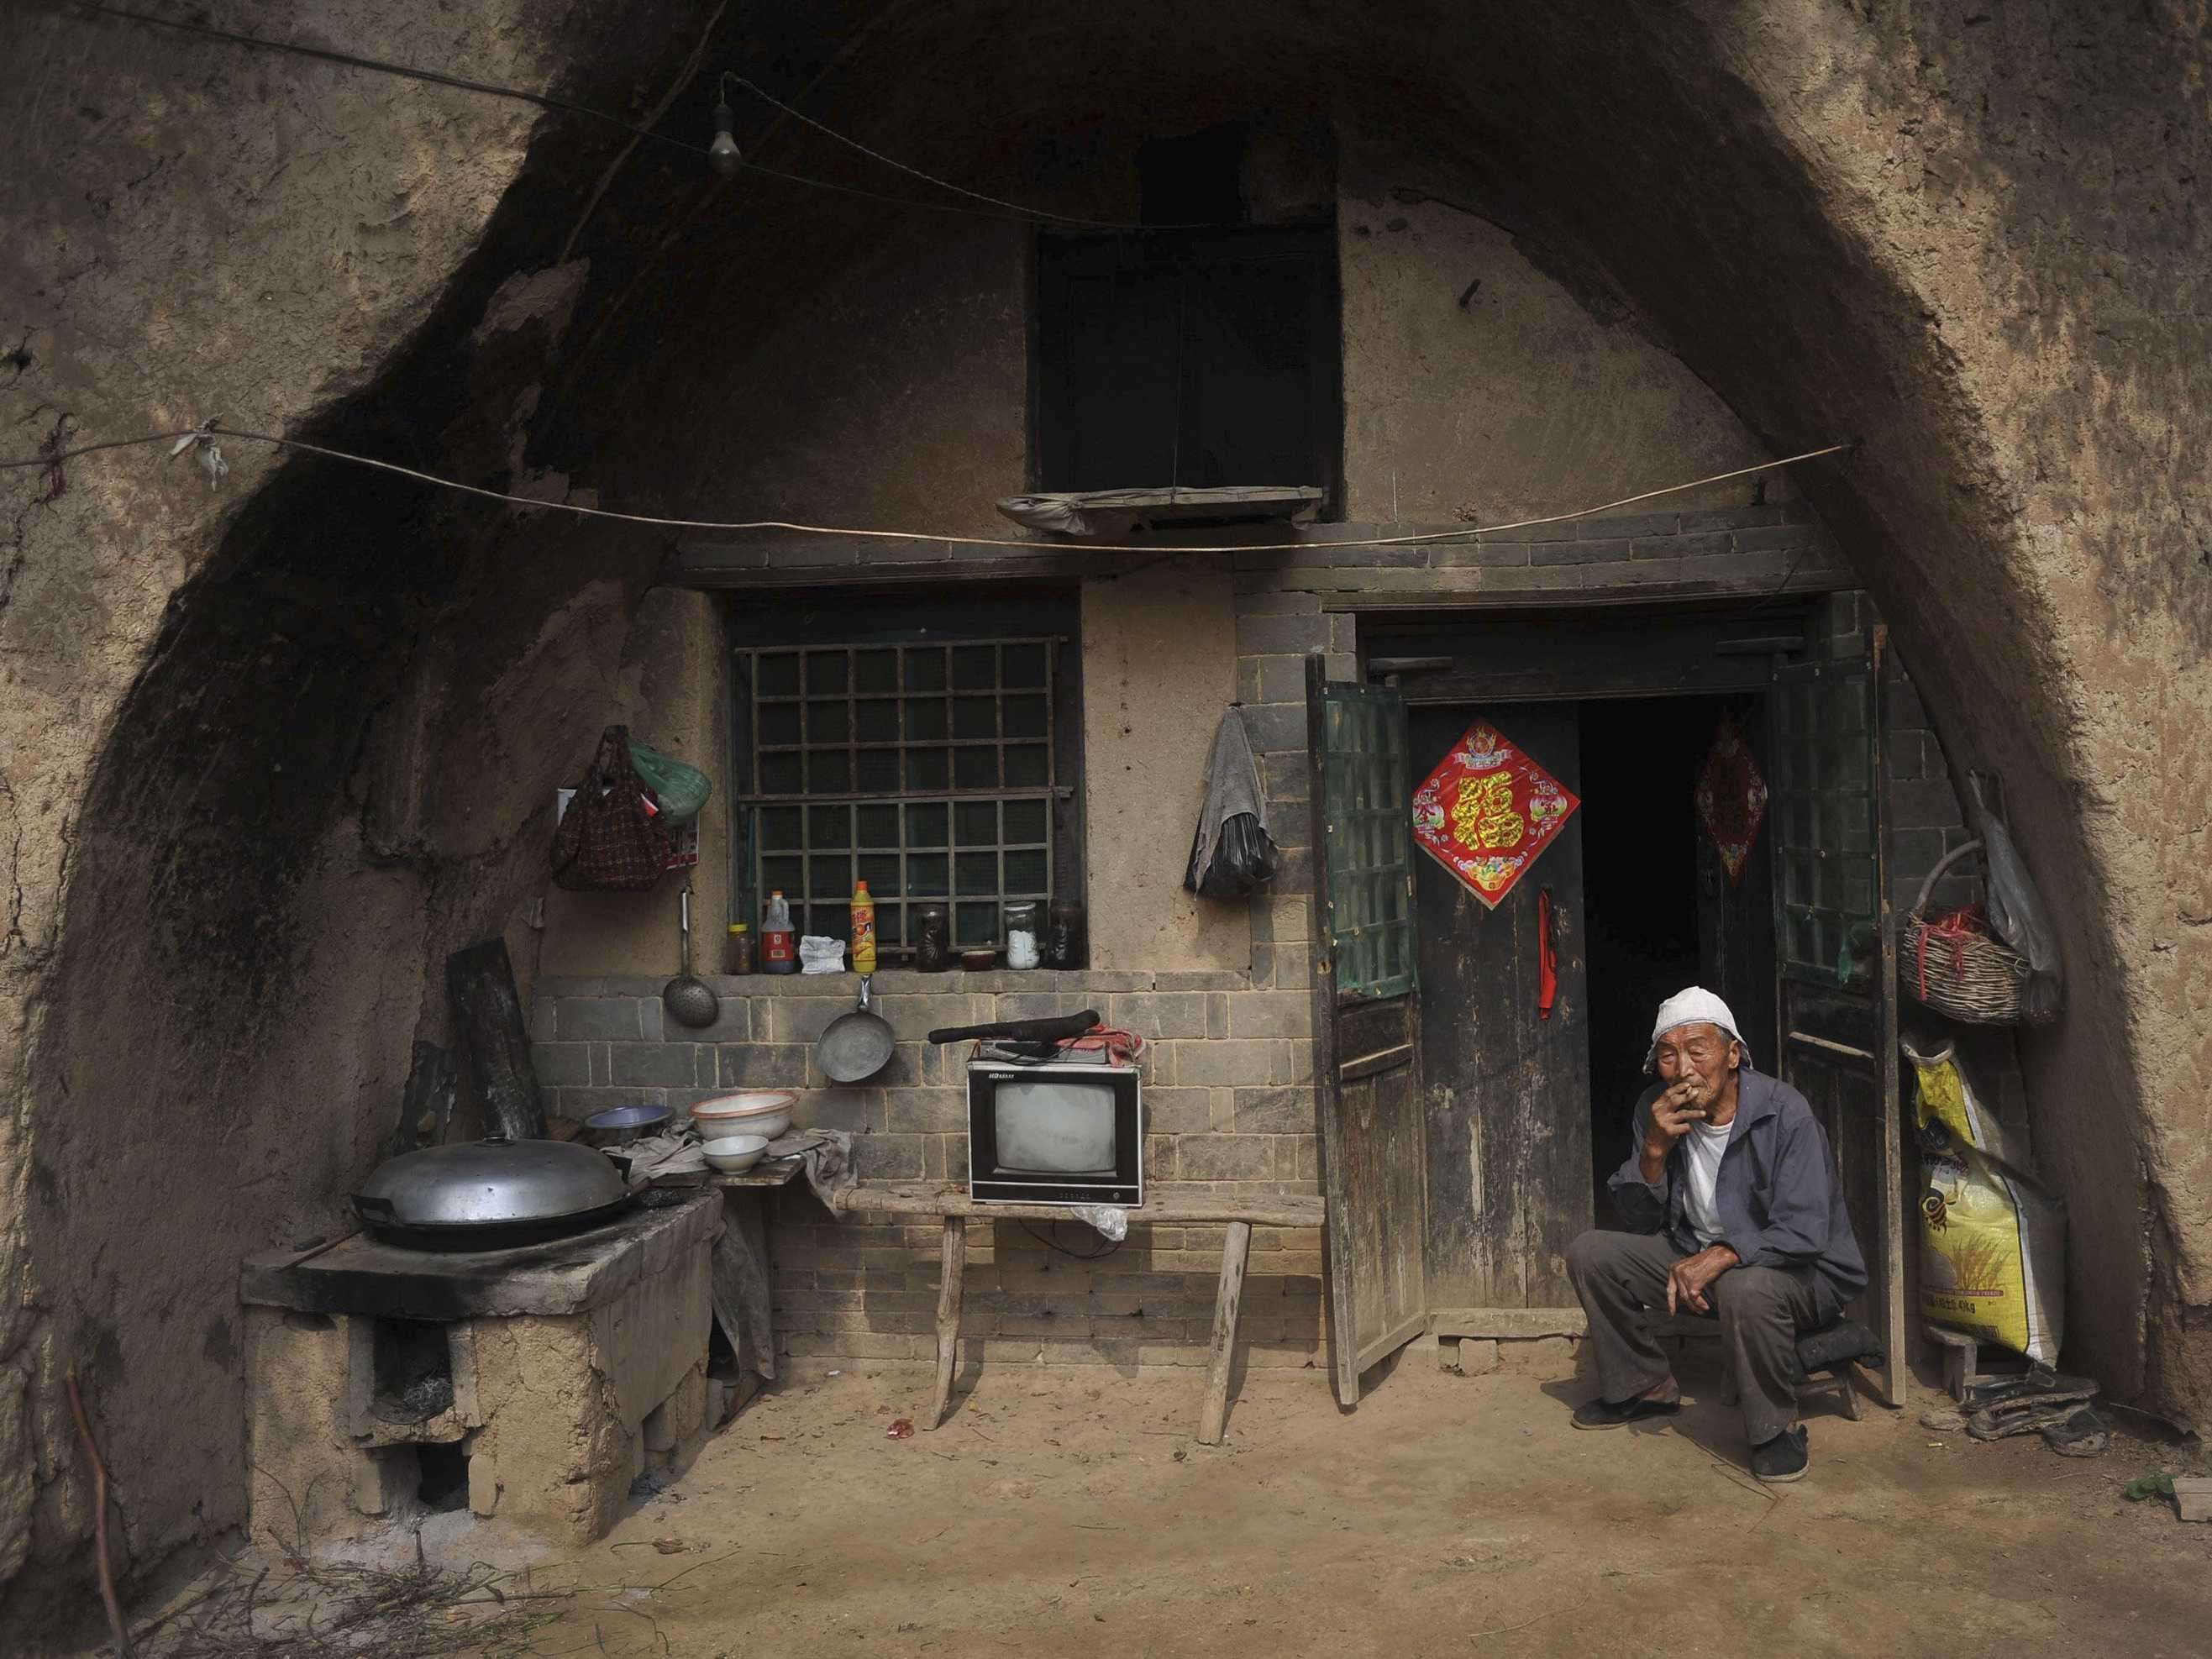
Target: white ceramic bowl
751, 1112
767, 1125
734, 1154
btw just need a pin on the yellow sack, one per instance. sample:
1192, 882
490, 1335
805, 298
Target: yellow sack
1993, 1244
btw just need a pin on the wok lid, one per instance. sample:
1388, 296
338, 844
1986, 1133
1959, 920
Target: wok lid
490, 1182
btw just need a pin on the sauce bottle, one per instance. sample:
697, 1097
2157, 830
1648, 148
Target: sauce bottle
864, 929
779, 950
740, 958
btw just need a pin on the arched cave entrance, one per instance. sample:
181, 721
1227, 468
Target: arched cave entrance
338, 764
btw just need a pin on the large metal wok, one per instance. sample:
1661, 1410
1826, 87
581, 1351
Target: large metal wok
491, 1194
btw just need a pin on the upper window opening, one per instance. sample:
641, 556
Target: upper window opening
1194, 180
1205, 359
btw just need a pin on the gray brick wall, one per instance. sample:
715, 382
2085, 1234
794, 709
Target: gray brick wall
1229, 1057
1228, 1093
1926, 821
1925, 818
1753, 549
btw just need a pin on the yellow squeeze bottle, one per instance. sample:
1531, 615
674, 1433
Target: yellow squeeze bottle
864, 929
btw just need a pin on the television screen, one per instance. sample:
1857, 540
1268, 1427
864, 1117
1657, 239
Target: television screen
1054, 1126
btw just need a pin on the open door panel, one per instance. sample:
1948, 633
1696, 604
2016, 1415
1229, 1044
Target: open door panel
1837, 954
1366, 1022
1505, 1083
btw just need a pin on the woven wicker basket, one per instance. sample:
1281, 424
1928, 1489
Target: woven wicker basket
1963, 974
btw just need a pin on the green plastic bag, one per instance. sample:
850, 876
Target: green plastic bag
681, 789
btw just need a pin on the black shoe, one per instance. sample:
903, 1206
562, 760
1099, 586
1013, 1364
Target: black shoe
1620, 1413
1782, 1458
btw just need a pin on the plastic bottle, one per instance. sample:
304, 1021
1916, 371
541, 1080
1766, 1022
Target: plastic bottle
740, 956
1022, 935
778, 949
864, 929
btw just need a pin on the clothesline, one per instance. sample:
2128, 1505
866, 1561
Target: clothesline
204, 436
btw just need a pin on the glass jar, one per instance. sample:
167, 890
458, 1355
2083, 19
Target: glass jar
1021, 930
739, 957
1063, 934
933, 937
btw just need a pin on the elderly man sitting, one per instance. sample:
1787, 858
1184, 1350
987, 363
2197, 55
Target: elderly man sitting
1732, 1205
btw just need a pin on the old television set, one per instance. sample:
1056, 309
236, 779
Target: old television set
1055, 1131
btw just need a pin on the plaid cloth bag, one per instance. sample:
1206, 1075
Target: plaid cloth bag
609, 838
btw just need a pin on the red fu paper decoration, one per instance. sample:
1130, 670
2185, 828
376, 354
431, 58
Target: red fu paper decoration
1487, 811
1731, 799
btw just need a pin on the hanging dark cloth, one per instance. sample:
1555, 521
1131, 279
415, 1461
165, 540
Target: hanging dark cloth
1233, 855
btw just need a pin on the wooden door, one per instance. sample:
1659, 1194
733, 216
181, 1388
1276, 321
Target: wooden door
1836, 947
1366, 1023
1506, 1091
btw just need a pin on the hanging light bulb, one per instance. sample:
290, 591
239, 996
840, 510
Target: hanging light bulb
724, 152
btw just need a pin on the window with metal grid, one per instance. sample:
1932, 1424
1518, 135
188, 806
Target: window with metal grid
935, 769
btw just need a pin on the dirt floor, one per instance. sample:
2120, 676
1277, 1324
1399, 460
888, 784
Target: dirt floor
1055, 1514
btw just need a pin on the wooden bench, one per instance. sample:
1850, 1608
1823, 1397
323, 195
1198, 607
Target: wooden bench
956, 1209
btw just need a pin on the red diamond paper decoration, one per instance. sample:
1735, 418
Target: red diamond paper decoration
1731, 799
1487, 811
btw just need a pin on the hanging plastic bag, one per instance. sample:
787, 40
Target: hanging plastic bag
1993, 1243
1233, 855
682, 787
611, 836
2016, 912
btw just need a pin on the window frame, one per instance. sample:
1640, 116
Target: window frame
1047, 615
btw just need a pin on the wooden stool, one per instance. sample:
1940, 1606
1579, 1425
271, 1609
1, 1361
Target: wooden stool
1837, 1382
1819, 1382
1962, 1360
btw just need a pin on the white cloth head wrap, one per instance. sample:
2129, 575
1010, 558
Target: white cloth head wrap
1693, 1006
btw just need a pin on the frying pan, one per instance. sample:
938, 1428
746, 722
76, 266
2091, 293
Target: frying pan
856, 1043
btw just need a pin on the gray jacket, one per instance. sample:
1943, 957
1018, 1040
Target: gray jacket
1779, 1202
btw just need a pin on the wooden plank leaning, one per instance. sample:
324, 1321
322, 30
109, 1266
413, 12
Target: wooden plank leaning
1213, 1412
952, 1271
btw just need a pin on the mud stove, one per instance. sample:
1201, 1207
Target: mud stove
535, 1384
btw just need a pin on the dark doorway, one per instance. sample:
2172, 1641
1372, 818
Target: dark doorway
1527, 1113
1640, 761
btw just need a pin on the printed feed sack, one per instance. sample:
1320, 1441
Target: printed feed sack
1993, 1244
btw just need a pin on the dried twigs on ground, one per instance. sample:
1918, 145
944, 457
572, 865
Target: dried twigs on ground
115, 1624
309, 1609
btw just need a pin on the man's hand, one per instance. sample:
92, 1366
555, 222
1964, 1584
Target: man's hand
1672, 1114
1687, 1279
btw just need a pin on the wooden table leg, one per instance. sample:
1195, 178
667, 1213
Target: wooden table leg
948, 1315
1214, 1415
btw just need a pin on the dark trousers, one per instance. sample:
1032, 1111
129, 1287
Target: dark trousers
1621, 1278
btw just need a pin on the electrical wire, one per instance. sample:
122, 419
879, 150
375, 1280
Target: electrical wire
1051, 1243
1012, 212
213, 429
731, 78
350, 60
